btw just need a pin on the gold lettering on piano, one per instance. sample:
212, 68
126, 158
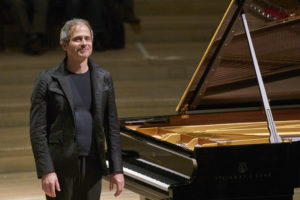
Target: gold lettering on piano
251, 176
242, 168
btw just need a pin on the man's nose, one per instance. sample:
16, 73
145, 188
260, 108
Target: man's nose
83, 41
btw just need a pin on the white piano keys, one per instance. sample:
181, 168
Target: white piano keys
146, 179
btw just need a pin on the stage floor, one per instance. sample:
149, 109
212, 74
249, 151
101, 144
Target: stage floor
25, 186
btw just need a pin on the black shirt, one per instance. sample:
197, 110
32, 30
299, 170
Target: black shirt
82, 98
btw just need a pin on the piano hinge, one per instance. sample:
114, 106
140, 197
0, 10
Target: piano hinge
183, 111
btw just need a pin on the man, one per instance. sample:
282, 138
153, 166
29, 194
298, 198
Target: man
72, 112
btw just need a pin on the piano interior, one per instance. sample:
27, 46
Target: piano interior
221, 134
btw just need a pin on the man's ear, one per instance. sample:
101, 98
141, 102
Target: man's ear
64, 46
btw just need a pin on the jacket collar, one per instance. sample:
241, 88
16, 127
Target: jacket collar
62, 68
97, 81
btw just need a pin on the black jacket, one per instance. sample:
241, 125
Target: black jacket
52, 128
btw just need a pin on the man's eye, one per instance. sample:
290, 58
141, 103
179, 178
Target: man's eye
77, 39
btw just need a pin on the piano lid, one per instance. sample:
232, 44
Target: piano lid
225, 77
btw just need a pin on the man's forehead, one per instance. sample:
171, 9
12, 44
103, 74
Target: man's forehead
79, 28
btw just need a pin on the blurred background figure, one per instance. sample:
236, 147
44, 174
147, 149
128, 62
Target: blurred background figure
1, 28
94, 11
101, 15
125, 9
39, 19
32, 16
107, 18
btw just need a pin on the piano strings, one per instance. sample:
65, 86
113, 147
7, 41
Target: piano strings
221, 134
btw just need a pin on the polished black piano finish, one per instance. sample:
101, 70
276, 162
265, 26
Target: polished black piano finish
255, 171
218, 146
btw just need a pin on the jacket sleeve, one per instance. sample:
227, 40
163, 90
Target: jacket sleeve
38, 128
112, 130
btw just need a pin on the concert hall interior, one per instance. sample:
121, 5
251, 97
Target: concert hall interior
151, 75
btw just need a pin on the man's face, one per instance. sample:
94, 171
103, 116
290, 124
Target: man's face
81, 44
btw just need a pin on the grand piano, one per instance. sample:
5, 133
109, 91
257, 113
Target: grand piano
219, 145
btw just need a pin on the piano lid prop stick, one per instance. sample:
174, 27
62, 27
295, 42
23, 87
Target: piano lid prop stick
274, 137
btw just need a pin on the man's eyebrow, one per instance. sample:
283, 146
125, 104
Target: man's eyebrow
77, 37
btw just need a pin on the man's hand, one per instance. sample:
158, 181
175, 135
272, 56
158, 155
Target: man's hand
50, 184
118, 179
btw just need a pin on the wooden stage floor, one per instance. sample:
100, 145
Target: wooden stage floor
25, 186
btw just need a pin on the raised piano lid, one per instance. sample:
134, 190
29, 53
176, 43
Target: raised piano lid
225, 77
225, 81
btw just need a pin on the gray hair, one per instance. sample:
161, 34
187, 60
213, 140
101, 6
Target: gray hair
65, 33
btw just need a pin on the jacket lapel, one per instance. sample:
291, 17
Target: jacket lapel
61, 76
97, 80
